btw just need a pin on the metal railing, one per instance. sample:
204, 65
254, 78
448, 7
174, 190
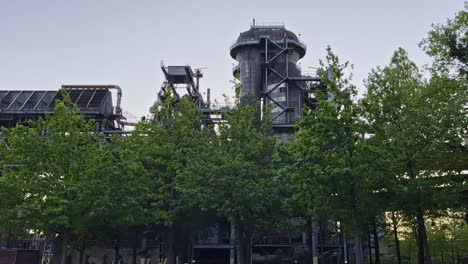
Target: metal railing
267, 24
221, 106
236, 43
309, 73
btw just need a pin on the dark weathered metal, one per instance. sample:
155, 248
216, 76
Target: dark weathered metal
93, 101
182, 75
267, 55
118, 107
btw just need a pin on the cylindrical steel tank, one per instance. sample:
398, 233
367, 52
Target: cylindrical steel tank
282, 49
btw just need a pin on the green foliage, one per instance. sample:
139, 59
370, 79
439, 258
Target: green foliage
448, 44
233, 176
447, 236
420, 125
51, 159
332, 167
65, 178
164, 144
116, 185
402, 147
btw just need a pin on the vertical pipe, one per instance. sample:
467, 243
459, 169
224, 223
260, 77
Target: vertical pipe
208, 97
299, 105
261, 108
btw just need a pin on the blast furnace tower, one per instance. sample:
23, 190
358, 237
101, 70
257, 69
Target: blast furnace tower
267, 56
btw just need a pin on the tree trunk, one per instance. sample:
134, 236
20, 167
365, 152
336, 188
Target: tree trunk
315, 241
309, 241
395, 237
170, 245
239, 249
244, 245
232, 242
420, 244
57, 249
424, 255
117, 250
248, 247
376, 242
64, 245
357, 236
453, 255
81, 257
358, 247
369, 245
9, 243
82, 251
134, 247
189, 250
427, 251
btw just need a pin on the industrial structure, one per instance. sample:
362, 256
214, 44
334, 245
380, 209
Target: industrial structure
93, 101
187, 79
267, 56
183, 75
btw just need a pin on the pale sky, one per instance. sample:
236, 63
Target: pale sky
46, 43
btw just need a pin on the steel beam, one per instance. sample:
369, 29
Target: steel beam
91, 98
14, 100
26, 101
40, 100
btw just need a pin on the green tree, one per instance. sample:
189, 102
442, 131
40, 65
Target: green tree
333, 172
115, 193
50, 159
422, 127
10, 198
69, 182
233, 177
391, 108
448, 45
164, 144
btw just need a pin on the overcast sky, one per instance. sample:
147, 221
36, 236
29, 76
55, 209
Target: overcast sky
46, 43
